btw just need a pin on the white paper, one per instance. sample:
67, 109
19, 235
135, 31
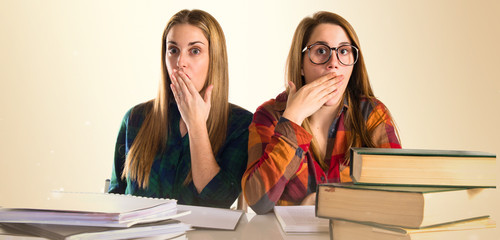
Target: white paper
207, 217
300, 219
169, 228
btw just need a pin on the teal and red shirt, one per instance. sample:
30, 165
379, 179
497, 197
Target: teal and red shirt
171, 166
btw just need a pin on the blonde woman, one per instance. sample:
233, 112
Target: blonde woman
302, 137
188, 143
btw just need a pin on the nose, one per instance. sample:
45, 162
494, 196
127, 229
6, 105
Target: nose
181, 61
333, 62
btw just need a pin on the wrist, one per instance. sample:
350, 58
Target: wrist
293, 117
195, 128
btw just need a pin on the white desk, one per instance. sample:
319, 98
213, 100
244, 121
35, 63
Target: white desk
252, 226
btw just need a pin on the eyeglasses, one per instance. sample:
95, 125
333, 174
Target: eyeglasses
320, 53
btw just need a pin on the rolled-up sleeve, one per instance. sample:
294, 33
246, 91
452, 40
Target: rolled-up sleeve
276, 151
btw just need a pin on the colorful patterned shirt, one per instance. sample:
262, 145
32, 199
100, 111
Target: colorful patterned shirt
281, 169
171, 167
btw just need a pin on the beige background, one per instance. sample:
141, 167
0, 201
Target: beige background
69, 70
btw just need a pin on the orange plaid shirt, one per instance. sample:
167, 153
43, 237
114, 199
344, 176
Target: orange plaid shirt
282, 171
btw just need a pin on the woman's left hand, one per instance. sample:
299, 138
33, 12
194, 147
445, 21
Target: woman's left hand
309, 199
193, 108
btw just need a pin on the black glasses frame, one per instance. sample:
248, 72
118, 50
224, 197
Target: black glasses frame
331, 50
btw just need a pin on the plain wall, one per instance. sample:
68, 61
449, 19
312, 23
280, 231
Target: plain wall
69, 70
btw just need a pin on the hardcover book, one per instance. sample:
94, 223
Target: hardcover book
387, 166
411, 207
482, 228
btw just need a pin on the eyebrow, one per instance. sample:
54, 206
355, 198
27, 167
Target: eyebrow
189, 44
323, 42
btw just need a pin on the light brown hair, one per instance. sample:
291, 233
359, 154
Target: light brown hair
358, 86
153, 134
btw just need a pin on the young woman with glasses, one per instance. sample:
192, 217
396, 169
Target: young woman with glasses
188, 143
302, 137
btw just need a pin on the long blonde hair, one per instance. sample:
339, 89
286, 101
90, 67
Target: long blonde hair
358, 86
153, 134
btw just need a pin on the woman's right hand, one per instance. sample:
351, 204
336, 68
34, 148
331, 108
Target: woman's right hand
194, 108
311, 97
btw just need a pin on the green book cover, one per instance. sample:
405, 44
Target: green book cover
420, 152
390, 188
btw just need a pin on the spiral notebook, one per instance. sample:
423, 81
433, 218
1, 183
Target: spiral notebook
90, 209
167, 229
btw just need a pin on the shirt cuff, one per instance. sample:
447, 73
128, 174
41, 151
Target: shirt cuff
220, 189
293, 132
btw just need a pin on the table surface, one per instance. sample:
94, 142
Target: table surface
252, 226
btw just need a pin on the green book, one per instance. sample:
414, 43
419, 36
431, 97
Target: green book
404, 206
389, 166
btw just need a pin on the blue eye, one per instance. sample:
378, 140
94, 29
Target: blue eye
173, 50
196, 51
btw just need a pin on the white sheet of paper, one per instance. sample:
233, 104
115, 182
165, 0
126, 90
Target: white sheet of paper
207, 217
300, 219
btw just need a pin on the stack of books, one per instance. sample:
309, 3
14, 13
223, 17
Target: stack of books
74, 215
412, 194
